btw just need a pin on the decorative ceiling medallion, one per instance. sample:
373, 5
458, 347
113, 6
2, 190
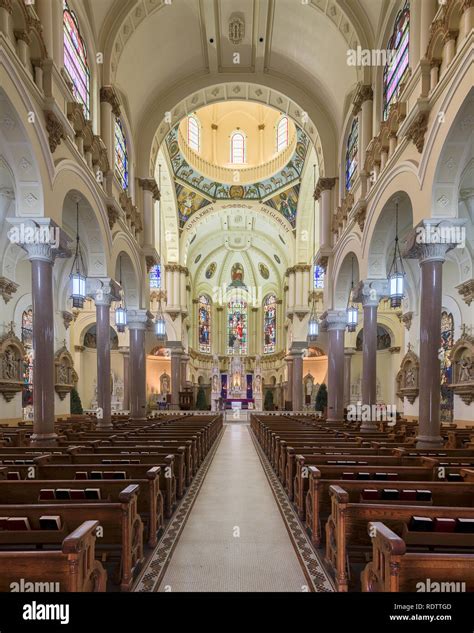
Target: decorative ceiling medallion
236, 191
236, 29
263, 270
210, 270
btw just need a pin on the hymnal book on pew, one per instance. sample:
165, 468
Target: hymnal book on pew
390, 493
421, 524
81, 474
370, 494
407, 495
13, 476
17, 524
119, 474
77, 494
63, 493
47, 494
423, 495
465, 525
50, 522
363, 475
96, 474
3, 523
92, 493
444, 525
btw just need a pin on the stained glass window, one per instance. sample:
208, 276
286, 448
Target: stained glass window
155, 276
318, 277
204, 324
447, 342
194, 134
395, 70
352, 152
282, 134
121, 154
269, 324
27, 340
237, 148
75, 59
237, 327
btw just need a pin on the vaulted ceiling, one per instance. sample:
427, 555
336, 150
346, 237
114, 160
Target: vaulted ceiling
154, 45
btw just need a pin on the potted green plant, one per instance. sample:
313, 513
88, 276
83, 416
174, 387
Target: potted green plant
76, 404
268, 403
321, 403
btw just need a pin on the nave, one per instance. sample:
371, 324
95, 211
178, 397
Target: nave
235, 538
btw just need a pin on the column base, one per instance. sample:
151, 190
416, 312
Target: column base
104, 424
44, 439
137, 419
429, 441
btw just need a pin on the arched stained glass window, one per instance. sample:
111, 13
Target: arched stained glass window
75, 59
237, 148
282, 134
237, 326
269, 324
155, 277
352, 154
27, 340
447, 342
318, 277
395, 70
194, 134
204, 324
121, 154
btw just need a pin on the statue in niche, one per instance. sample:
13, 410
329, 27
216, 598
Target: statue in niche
63, 374
410, 378
258, 384
465, 369
165, 384
215, 383
309, 385
10, 365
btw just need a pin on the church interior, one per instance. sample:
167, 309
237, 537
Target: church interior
236, 250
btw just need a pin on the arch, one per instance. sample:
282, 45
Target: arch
282, 134
126, 273
238, 148
194, 133
343, 277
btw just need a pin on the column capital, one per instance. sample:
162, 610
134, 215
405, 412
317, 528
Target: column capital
369, 292
363, 93
176, 348
109, 95
103, 290
334, 320
431, 239
139, 319
7, 5
41, 238
323, 184
149, 184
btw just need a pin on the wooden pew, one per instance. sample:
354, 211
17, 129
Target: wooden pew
346, 528
393, 569
73, 567
121, 524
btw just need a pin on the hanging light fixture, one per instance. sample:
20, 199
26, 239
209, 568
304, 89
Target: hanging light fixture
396, 275
120, 310
313, 323
77, 277
352, 310
160, 323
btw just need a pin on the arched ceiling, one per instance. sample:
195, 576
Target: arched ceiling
171, 42
231, 233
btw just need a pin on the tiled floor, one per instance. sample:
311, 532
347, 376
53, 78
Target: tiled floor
235, 538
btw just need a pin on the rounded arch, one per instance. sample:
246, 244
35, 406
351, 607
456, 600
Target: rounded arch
127, 273
347, 271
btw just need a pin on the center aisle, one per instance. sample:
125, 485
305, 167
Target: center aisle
235, 538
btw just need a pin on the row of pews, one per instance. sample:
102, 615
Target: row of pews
84, 515
385, 515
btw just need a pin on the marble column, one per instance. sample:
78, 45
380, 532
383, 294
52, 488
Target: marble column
103, 291
428, 11
289, 381
44, 8
151, 193
42, 257
6, 10
297, 395
138, 321
348, 354
125, 351
369, 293
334, 322
431, 257
363, 106
176, 354
109, 108
184, 370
